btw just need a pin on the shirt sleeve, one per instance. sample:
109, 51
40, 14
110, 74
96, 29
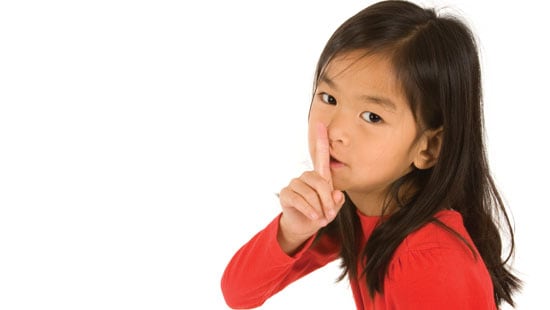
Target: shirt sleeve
261, 268
438, 278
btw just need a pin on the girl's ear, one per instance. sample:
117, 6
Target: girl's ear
428, 148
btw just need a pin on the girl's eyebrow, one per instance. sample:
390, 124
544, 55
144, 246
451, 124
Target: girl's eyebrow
386, 103
325, 79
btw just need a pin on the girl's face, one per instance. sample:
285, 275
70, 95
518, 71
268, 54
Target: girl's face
371, 129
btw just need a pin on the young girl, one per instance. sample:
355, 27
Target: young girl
401, 189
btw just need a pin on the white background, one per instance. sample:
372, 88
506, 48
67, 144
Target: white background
143, 142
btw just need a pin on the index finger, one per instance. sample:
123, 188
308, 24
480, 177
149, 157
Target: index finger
321, 162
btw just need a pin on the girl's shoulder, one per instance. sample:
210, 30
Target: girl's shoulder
446, 233
435, 260
438, 247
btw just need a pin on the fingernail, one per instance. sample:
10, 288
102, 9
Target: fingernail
314, 216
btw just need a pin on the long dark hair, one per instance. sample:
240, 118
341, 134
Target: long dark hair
436, 60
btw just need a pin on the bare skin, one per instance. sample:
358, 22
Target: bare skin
362, 138
310, 201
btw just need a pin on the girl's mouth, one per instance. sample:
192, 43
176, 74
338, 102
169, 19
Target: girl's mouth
335, 163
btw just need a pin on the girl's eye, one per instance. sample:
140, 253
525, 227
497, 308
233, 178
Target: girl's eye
371, 117
328, 99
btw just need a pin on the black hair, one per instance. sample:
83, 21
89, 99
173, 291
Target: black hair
436, 61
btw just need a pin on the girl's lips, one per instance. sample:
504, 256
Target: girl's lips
335, 163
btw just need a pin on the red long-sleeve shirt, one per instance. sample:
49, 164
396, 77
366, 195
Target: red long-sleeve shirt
431, 269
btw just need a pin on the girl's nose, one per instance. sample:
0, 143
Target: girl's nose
338, 128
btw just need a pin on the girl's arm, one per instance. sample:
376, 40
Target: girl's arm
261, 268
283, 251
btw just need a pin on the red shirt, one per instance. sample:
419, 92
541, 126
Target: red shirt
431, 269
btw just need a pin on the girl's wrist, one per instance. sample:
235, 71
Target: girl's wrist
290, 244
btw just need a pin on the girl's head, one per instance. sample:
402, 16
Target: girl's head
374, 137
399, 89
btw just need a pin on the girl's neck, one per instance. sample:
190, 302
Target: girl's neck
371, 204
378, 202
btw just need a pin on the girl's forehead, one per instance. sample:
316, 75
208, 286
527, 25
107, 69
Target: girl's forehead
364, 77
358, 61
361, 66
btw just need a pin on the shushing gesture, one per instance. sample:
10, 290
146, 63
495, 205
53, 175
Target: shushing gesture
309, 202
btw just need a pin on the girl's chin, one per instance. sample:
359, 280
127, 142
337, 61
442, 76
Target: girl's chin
339, 185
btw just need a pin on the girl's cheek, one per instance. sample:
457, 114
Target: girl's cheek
378, 149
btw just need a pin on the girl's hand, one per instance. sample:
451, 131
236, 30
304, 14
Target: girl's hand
310, 201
